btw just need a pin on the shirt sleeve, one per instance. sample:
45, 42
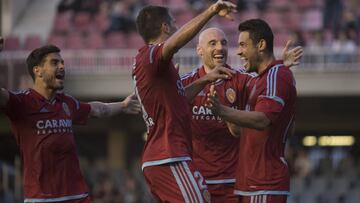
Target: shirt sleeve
80, 112
14, 107
156, 58
272, 100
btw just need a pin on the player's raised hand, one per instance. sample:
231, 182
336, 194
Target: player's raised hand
213, 102
131, 105
1, 43
291, 57
219, 72
224, 9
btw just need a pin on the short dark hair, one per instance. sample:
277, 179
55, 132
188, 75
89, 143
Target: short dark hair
149, 21
258, 29
37, 56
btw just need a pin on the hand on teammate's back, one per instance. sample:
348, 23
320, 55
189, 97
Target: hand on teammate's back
224, 9
131, 104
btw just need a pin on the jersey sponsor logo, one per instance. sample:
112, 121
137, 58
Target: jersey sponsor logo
203, 113
230, 95
66, 108
53, 126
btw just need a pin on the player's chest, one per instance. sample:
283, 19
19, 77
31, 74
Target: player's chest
255, 88
49, 119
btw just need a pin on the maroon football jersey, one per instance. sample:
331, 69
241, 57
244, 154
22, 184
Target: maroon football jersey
215, 150
263, 169
44, 134
164, 106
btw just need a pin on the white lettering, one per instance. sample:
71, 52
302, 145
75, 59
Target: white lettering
40, 124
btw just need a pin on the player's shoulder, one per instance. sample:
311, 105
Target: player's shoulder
241, 72
21, 94
190, 75
68, 99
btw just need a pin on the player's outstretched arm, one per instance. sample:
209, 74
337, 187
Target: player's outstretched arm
292, 57
190, 29
129, 105
218, 72
247, 119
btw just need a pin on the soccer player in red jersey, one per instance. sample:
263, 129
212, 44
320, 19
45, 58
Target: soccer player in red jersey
215, 151
42, 119
166, 160
262, 174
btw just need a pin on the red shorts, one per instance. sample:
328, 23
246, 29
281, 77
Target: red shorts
177, 183
263, 199
221, 193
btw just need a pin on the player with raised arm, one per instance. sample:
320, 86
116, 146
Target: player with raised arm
262, 174
41, 119
215, 151
166, 160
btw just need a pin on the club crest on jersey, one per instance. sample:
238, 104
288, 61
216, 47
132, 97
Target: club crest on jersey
230, 95
66, 108
206, 195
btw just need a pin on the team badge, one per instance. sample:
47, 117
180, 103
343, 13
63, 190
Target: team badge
230, 95
206, 195
66, 108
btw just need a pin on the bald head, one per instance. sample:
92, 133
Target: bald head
212, 48
209, 33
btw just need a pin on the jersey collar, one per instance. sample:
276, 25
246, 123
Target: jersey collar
272, 64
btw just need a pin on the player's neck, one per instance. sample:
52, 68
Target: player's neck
207, 69
266, 61
47, 93
162, 38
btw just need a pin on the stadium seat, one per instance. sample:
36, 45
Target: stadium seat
155, 2
95, 41
116, 40
135, 41
293, 19
32, 42
280, 38
12, 43
275, 19
312, 20
248, 14
57, 40
62, 22
102, 22
82, 21
74, 40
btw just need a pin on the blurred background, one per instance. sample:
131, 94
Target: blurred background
98, 40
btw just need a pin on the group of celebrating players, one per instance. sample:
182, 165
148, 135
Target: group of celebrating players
216, 134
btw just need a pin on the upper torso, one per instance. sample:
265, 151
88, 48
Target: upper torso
44, 134
263, 166
215, 150
165, 108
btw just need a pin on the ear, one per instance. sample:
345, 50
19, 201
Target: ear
262, 45
37, 71
165, 28
199, 50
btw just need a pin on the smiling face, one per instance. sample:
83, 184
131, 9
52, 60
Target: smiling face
212, 48
51, 72
249, 52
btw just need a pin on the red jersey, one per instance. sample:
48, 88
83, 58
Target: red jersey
44, 134
165, 108
263, 169
215, 150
